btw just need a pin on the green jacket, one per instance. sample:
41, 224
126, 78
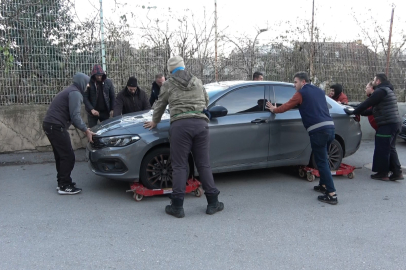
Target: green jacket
185, 95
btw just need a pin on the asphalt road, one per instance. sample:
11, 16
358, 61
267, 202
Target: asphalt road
271, 220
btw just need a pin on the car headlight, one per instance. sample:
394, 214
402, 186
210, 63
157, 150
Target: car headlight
116, 141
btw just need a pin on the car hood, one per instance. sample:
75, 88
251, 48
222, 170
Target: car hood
127, 120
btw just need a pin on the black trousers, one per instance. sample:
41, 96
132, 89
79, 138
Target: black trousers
92, 120
63, 152
385, 155
190, 135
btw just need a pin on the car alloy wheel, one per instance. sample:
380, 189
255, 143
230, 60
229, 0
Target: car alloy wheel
156, 169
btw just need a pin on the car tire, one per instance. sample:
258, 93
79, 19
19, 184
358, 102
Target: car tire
335, 156
156, 169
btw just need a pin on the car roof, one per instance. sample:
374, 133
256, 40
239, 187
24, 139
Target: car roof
226, 84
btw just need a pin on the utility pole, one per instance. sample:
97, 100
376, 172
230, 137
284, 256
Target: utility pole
253, 51
389, 41
103, 50
215, 42
312, 46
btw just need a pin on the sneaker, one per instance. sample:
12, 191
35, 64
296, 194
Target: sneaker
398, 176
69, 190
380, 176
320, 188
58, 187
328, 199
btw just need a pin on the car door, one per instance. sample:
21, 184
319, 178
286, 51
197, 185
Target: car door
288, 137
241, 136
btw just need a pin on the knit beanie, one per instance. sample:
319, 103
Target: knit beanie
132, 82
175, 62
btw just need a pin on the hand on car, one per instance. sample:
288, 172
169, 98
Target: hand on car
269, 106
150, 125
89, 135
94, 112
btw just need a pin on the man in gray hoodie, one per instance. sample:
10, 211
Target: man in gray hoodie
64, 111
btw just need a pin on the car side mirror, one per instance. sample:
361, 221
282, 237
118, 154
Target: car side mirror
218, 111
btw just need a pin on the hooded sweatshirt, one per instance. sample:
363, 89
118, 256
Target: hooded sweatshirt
185, 95
102, 99
65, 107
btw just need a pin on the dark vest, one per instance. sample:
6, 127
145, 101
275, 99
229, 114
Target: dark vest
314, 109
58, 111
386, 112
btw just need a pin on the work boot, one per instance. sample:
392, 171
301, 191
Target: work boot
175, 208
396, 176
213, 204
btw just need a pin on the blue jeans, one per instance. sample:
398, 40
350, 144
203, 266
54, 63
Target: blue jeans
320, 141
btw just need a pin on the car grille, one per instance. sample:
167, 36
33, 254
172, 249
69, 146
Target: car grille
97, 144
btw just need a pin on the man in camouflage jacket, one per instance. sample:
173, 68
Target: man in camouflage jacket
188, 132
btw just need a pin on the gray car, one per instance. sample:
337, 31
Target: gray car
402, 133
243, 136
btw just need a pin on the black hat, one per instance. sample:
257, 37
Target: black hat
132, 82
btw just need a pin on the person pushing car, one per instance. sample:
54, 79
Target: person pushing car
188, 132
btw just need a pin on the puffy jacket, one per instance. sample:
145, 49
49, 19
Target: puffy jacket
128, 103
90, 95
185, 95
386, 111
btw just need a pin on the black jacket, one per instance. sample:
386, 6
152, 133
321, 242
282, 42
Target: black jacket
384, 102
154, 93
128, 103
90, 95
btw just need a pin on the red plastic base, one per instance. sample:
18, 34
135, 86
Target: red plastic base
192, 185
343, 170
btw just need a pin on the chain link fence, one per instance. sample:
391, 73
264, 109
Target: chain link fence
42, 45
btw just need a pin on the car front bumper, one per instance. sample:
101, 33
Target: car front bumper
118, 163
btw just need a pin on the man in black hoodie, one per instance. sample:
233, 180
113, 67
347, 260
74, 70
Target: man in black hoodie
64, 111
99, 97
386, 114
156, 88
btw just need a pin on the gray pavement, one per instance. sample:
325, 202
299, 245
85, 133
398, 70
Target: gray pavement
271, 220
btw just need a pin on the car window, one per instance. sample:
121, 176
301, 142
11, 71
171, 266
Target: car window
243, 100
282, 94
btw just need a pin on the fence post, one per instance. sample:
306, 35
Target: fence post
103, 50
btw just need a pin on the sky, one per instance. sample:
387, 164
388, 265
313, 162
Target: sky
335, 19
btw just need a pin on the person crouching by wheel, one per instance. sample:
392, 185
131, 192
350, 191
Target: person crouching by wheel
188, 132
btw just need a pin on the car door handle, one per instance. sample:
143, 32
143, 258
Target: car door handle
258, 121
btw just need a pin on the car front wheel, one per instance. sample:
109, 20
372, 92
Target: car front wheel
156, 169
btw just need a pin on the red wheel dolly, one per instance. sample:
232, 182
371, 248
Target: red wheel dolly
192, 185
311, 173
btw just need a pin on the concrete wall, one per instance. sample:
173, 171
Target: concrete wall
21, 129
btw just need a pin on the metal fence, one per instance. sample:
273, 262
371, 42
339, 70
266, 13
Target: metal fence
42, 46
